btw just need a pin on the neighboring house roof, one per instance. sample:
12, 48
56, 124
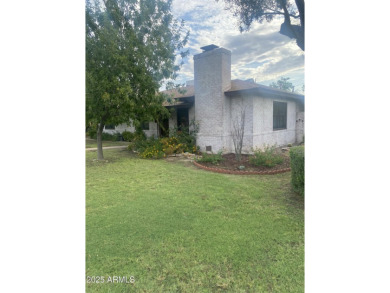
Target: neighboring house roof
185, 95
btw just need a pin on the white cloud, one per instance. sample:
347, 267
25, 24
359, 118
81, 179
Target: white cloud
261, 53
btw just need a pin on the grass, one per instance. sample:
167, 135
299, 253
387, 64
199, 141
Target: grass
91, 143
175, 228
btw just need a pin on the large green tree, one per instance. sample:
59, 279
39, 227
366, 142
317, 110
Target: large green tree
131, 50
283, 84
260, 10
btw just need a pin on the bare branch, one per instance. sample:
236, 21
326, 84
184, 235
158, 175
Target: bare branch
237, 132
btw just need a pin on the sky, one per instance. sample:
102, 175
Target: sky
261, 53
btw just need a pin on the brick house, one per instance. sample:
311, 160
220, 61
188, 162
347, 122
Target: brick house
272, 116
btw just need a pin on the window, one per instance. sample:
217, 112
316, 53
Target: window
182, 118
109, 126
145, 125
280, 115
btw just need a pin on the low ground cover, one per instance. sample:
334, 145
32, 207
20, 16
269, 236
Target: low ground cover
176, 228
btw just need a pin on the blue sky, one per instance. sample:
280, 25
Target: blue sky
262, 53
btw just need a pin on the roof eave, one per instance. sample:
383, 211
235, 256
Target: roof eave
271, 93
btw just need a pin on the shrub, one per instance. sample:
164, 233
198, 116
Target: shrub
111, 137
211, 158
153, 150
92, 133
269, 157
128, 136
171, 145
139, 143
149, 148
186, 136
297, 162
182, 141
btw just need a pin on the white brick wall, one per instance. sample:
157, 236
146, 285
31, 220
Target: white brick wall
263, 133
236, 105
212, 72
300, 127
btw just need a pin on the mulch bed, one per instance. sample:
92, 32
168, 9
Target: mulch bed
231, 166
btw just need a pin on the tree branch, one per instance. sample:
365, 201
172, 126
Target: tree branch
281, 13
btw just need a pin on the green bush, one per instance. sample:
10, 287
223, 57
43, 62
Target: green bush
211, 158
178, 142
128, 136
92, 133
110, 137
139, 143
269, 157
152, 149
186, 136
148, 148
297, 162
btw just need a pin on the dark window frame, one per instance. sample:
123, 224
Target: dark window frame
279, 115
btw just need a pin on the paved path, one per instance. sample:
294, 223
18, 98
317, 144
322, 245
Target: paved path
107, 148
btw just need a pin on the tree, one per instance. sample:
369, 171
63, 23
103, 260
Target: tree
260, 10
283, 84
131, 48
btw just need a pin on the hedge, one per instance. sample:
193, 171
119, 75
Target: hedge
297, 162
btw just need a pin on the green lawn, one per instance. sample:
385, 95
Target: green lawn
176, 228
91, 143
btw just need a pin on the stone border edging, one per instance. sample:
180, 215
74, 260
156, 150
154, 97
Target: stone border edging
217, 170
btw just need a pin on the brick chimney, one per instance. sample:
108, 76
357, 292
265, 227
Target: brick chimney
212, 73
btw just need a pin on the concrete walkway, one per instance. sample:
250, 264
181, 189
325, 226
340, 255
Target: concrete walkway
107, 148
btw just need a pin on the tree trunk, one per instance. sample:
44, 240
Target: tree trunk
296, 32
99, 141
301, 8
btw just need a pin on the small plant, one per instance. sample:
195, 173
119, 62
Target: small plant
211, 158
268, 157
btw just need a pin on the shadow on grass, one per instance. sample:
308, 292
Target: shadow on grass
110, 156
